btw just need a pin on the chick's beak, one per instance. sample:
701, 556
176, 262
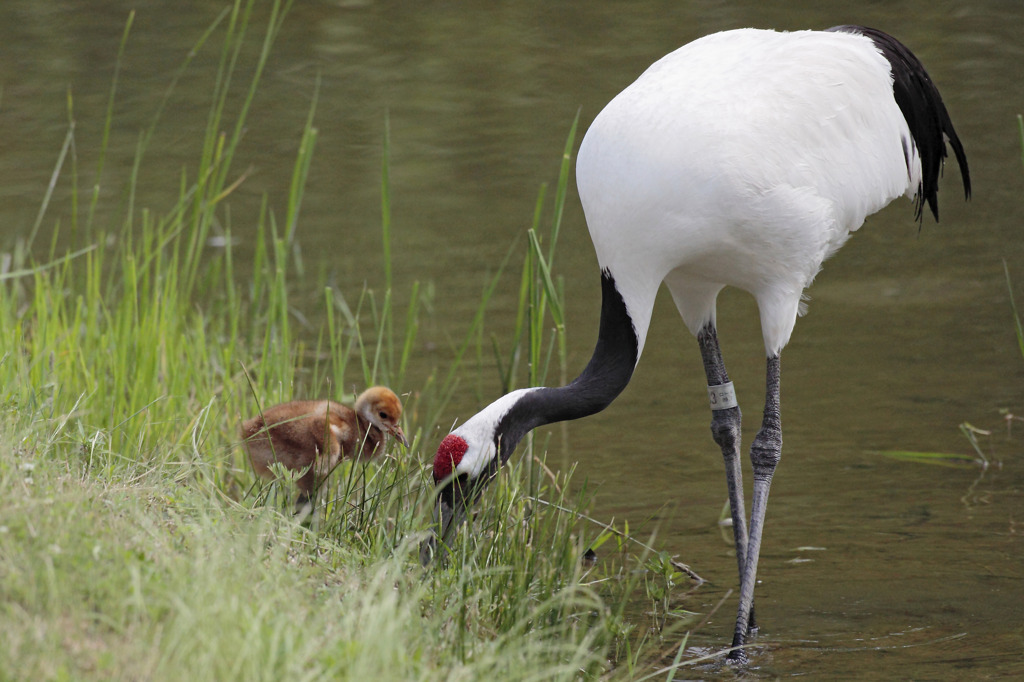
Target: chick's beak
397, 432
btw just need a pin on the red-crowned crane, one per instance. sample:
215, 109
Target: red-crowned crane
744, 159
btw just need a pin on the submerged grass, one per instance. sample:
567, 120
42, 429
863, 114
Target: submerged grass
135, 541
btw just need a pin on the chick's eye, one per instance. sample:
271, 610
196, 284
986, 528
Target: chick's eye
382, 415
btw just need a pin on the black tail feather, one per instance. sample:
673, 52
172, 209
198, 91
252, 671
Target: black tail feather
926, 116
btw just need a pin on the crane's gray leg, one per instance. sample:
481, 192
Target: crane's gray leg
726, 429
765, 453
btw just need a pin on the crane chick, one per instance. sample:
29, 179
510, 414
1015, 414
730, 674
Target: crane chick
314, 435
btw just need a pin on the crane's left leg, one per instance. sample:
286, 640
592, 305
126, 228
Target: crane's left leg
765, 453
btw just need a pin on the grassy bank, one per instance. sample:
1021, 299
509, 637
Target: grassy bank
135, 543
149, 579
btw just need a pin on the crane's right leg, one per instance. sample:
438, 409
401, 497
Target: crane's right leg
726, 429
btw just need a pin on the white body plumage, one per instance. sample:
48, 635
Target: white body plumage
722, 165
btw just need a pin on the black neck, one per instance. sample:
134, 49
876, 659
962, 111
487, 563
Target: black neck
603, 379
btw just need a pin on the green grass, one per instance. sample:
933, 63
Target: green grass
149, 580
135, 542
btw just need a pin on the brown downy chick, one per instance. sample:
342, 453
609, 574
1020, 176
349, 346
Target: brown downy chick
320, 433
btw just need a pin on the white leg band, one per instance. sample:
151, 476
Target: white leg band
722, 397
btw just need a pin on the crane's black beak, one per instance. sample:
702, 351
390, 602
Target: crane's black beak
449, 513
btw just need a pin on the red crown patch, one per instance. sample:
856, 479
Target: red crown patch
449, 454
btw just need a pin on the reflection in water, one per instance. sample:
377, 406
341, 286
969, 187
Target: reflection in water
920, 566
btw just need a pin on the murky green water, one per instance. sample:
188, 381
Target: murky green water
918, 570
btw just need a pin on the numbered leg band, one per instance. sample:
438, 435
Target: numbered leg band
722, 397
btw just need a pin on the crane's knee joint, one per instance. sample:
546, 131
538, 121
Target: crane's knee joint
726, 426
766, 451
